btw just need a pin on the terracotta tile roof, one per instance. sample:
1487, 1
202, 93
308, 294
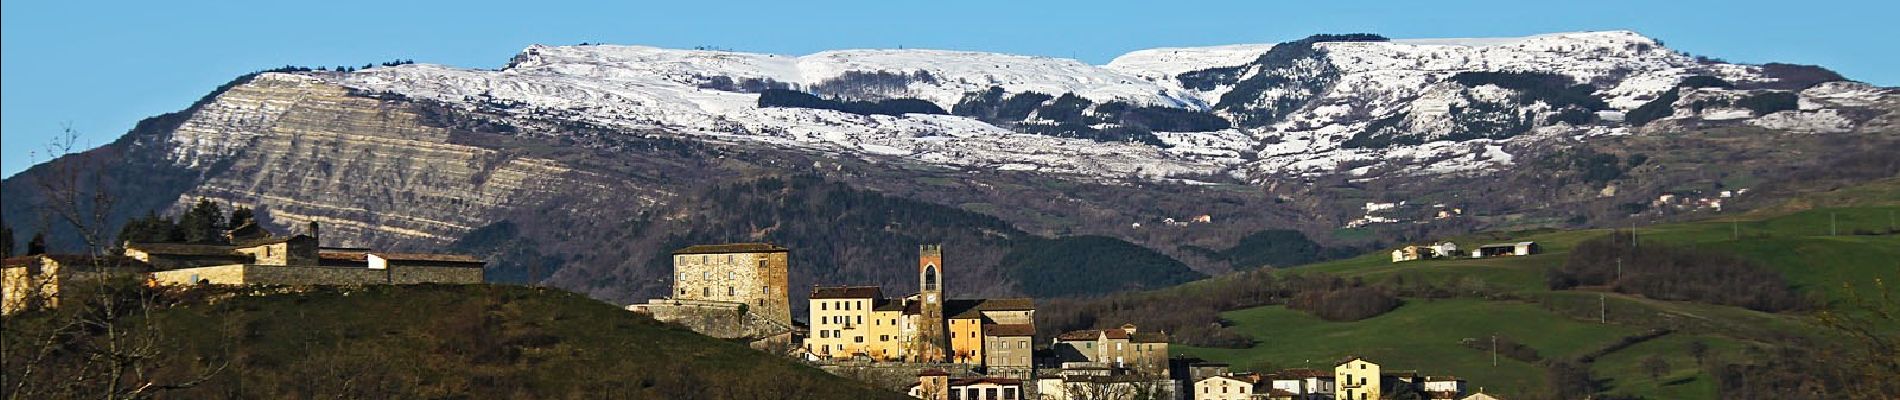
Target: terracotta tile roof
963, 308
454, 258
731, 248
1009, 330
184, 249
353, 256
847, 292
986, 379
889, 305
1086, 334
1013, 304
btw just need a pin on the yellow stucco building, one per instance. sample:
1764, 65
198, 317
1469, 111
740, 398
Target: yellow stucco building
1357, 379
860, 322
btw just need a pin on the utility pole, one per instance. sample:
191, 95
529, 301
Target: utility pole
1619, 270
1494, 349
1603, 309
1834, 224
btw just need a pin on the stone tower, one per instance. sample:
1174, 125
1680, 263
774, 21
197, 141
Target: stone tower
930, 297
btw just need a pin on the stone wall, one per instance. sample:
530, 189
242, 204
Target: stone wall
247, 274
723, 320
414, 274
895, 377
217, 275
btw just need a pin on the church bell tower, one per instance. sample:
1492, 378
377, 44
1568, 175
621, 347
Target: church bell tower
930, 295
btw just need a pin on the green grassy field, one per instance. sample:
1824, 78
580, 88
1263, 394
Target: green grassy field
1812, 241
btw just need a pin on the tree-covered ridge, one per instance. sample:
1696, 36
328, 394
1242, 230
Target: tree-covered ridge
1072, 116
1297, 70
1091, 265
1556, 90
797, 99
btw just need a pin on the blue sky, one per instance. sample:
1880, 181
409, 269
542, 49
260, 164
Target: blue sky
101, 66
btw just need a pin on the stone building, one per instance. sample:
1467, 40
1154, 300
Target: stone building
1141, 353
730, 291
754, 274
858, 322
259, 258
38, 281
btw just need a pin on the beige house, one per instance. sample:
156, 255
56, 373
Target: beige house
37, 281
1357, 379
1143, 353
1221, 387
1009, 350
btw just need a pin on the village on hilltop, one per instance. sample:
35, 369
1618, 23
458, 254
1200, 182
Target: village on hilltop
246, 255
946, 348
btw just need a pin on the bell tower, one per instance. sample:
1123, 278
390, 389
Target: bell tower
930, 296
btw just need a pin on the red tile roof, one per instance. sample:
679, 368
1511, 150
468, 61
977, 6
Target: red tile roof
731, 248
1009, 330
847, 292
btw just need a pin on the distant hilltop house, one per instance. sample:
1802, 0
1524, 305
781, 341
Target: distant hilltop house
1506, 249
859, 322
261, 258
731, 291
249, 256
1421, 252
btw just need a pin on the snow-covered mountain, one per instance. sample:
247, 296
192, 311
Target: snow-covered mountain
1343, 103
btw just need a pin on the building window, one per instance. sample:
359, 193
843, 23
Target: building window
761, 264
823, 307
705, 291
730, 291
728, 258
705, 259
860, 320
859, 339
930, 278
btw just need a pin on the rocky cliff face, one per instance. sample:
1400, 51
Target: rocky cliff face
368, 169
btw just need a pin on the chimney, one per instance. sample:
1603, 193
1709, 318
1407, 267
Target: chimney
313, 233
1130, 328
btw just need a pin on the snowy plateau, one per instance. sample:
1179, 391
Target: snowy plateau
1405, 86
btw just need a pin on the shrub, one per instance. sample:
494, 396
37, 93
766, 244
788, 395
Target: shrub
1667, 272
